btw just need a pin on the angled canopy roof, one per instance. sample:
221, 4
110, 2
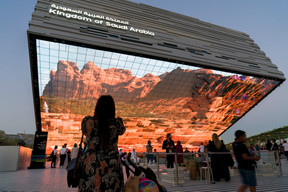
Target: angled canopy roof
168, 73
171, 36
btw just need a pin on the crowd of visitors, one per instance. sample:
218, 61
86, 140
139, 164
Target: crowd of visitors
281, 148
221, 158
101, 168
65, 155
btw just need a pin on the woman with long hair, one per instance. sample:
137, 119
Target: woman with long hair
216, 141
219, 162
179, 149
101, 168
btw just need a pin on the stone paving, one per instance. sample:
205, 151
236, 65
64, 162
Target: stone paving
33, 180
53, 180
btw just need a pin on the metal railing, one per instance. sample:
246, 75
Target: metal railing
276, 161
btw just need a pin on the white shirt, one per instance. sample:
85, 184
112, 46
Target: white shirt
74, 152
202, 148
134, 155
55, 151
285, 145
63, 151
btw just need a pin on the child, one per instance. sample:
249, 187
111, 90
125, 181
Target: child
246, 163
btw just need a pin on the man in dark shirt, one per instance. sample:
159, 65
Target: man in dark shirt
169, 145
186, 150
246, 163
275, 146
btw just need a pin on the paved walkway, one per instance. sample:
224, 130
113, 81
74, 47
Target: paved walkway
33, 180
53, 180
265, 184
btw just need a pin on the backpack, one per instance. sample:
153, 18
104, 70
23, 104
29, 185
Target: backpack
52, 154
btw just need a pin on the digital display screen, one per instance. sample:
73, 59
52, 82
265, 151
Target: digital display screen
153, 97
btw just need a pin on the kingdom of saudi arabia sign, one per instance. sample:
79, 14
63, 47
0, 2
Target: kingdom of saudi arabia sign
96, 19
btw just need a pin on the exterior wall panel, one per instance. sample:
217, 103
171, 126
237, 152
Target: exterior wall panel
182, 31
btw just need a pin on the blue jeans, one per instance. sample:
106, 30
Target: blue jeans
248, 177
150, 158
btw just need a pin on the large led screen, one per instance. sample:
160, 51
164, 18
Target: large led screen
154, 97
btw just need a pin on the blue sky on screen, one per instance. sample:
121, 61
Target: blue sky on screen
49, 53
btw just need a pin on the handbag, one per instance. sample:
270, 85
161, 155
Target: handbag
132, 184
228, 158
74, 168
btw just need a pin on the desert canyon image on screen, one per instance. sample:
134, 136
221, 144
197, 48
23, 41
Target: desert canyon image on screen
153, 97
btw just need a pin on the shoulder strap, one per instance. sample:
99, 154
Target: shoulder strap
80, 146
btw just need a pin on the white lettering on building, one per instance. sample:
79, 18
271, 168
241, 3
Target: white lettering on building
69, 15
98, 19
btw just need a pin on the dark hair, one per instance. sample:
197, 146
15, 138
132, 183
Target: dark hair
55, 147
239, 133
149, 142
168, 135
104, 112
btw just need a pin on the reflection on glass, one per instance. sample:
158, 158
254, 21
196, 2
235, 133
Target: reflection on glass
154, 97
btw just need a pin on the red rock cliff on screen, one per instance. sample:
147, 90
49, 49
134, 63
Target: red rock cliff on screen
190, 104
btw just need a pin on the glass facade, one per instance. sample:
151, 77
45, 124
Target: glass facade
154, 97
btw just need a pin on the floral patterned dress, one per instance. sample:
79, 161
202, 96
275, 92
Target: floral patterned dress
101, 168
